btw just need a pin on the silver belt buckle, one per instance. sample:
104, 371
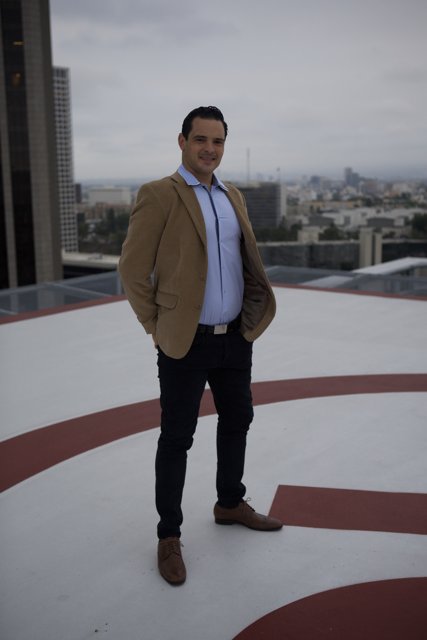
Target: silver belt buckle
220, 328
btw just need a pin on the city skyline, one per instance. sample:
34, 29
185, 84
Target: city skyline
309, 88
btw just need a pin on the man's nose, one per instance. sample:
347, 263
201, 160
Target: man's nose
209, 146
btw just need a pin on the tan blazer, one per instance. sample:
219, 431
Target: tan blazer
164, 262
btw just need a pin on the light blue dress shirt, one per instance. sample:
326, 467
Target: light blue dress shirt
224, 283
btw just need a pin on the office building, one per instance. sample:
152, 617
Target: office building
351, 178
64, 153
265, 204
29, 220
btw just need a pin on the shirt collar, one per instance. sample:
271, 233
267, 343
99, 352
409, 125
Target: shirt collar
193, 182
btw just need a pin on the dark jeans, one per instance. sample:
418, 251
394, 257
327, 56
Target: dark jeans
224, 362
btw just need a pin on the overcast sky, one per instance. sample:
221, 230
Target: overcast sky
309, 86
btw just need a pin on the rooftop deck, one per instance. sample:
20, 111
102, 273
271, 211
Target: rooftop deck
338, 450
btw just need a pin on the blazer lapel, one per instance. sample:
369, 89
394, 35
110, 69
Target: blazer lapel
191, 203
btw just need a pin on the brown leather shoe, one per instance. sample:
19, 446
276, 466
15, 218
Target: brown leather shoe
244, 514
170, 562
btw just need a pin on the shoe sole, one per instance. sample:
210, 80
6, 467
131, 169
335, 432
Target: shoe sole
174, 583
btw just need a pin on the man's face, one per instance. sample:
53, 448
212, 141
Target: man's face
203, 150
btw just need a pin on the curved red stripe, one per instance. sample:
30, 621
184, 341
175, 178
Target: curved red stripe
37, 450
384, 610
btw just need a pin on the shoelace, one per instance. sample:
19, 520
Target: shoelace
172, 546
247, 503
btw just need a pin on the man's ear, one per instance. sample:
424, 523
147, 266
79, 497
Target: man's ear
181, 141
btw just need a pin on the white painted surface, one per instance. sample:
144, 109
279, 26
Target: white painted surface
61, 366
78, 540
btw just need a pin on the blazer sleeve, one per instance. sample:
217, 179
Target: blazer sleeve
138, 258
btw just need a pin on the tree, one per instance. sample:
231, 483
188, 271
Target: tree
331, 233
277, 234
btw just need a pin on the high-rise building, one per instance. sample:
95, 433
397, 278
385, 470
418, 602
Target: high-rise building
64, 153
351, 178
264, 203
30, 249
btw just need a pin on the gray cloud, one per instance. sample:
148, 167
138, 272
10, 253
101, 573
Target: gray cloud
313, 85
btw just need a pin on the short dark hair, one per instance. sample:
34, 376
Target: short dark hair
208, 113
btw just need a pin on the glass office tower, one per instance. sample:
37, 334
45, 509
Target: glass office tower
29, 209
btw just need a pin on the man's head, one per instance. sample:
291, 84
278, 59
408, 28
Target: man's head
206, 113
202, 142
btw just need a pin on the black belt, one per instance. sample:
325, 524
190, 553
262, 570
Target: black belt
219, 329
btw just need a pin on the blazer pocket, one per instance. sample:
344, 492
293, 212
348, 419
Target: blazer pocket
168, 300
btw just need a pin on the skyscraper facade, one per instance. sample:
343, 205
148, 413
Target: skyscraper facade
64, 153
29, 212
264, 203
351, 178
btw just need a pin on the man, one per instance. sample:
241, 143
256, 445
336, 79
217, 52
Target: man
192, 274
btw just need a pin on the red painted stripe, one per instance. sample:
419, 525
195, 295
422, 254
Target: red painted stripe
326, 508
301, 388
383, 610
37, 450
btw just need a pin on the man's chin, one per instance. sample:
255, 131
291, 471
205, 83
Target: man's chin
208, 167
